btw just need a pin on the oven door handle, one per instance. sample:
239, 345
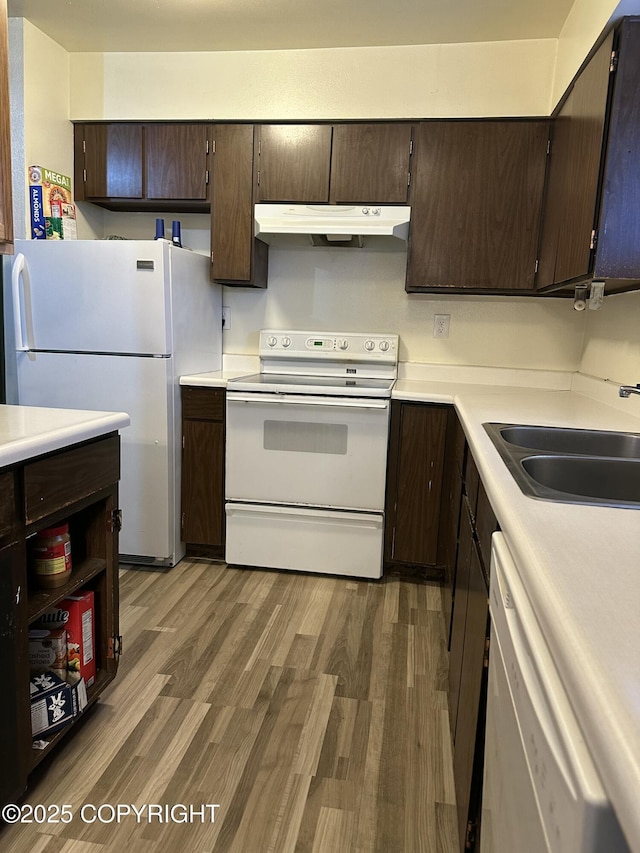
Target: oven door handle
326, 402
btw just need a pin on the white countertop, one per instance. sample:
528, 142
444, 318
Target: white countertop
213, 379
232, 367
580, 564
581, 568
28, 431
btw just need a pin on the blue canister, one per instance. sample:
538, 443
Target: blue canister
175, 233
159, 229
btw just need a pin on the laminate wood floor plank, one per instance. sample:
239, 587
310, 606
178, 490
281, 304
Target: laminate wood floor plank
312, 709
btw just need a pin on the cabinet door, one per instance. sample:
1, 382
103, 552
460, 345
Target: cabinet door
486, 524
459, 617
203, 466
574, 170
450, 513
236, 256
370, 163
471, 676
15, 717
176, 158
476, 197
294, 162
416, 466
6, 206
112, 160
618, 247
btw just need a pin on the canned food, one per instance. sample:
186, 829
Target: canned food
52, 556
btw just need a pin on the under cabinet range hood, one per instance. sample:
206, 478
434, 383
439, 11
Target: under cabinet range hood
331, 224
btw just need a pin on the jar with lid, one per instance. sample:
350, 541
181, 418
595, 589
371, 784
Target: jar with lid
51, 555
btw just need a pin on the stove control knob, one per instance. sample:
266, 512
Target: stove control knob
286, 341
369, 345
271, 341
384, 346
342, 344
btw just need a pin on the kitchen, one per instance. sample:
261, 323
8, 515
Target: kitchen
468, 80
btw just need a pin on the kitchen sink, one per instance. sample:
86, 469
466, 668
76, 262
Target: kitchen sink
587, 479
584, 441
595, 467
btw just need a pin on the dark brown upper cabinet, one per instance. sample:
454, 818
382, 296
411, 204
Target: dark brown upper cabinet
135, 166
108, 161
294, 162
591, 225
370, 163
344, 163
573, 175
237, 257
176, 161
476, 199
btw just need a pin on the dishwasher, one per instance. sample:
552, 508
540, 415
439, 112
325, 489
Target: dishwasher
541, 790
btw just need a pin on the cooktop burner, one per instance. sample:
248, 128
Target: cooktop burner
326, 385
325, 363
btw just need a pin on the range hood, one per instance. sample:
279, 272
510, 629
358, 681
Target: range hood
331, 224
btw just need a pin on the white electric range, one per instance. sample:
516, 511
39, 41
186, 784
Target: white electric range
307, 453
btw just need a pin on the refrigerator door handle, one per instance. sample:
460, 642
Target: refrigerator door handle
20, 270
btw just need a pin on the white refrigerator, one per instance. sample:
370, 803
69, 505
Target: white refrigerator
111, 325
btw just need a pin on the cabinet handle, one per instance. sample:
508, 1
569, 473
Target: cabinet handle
18, 591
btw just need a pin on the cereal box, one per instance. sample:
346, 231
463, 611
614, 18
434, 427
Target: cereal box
53, 213
54, 703
76, 615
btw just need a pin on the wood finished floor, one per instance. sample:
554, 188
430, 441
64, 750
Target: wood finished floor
312, 709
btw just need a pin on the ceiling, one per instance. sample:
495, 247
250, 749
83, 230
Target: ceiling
211, 25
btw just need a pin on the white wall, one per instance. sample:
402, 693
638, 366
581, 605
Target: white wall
41, 132
480, 79
586, 22
363, 290
612, 340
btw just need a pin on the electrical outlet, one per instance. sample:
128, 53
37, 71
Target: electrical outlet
441, 325
226, 318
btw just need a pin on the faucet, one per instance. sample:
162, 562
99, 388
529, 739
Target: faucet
627, 390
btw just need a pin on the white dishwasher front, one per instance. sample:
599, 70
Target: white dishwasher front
541, 790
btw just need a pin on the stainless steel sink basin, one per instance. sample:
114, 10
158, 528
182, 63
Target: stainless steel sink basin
587, 479
584, 441
571, 465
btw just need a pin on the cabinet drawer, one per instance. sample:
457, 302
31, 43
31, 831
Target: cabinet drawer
203, 403
471, 483
459, 447
8, 516
486, 524
61, 479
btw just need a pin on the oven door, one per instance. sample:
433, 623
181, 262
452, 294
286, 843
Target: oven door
307, 450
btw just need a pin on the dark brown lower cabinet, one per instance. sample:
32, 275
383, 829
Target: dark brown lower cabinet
468, 674
15, 728
203, 470
468, 657
78, 486
415, 473
450, 512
